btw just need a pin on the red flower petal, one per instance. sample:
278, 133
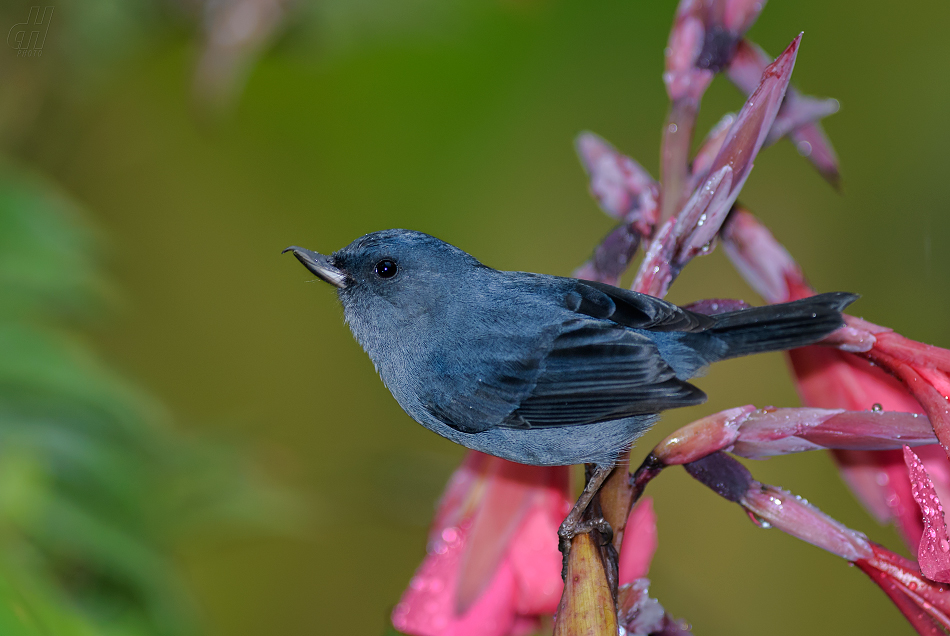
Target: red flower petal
639, 542
427, 607
933, 553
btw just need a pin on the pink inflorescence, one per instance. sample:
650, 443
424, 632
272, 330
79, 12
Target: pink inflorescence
493, 568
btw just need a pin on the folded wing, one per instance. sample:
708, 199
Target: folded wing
633, 309
597, 371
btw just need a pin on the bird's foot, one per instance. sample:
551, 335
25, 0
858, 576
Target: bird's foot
567, 533
577, 521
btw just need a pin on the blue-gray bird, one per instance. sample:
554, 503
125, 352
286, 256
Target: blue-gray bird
538, 369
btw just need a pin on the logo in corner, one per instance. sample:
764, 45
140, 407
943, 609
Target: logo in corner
28, 37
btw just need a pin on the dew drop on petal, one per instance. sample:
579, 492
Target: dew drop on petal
944, 545
877, 408
759, 521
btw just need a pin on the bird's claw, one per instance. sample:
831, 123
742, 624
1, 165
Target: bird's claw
570, 529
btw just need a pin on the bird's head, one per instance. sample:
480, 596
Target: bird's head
399, 271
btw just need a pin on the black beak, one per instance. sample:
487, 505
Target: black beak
319, 265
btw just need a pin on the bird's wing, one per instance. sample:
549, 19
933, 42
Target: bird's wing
633, 309
597, 371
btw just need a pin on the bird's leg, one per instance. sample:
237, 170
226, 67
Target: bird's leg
575, 523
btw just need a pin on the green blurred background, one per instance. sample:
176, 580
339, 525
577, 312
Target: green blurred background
332, 119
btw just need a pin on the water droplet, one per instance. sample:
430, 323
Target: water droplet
449, 535
672, 128
912, 586
759, 521
944, 545
877, 408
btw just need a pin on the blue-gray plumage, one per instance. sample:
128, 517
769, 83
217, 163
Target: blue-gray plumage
538, 369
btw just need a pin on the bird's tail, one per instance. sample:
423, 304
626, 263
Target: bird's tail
779, 327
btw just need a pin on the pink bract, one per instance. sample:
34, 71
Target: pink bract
492, 565
834, 378
933, 553
639, 542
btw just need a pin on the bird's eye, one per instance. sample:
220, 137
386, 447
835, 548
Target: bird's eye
386, 268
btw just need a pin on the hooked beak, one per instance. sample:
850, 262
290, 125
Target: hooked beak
319, 265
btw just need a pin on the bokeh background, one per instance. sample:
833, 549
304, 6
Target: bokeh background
191, 441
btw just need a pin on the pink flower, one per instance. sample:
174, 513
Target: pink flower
639, 542
845, 378
493, 564
798, 119
692, 231
924, 603
933, 553
626, 192
703, 41
639, 613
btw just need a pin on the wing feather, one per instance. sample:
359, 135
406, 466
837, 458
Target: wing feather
633, 309
597, 371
